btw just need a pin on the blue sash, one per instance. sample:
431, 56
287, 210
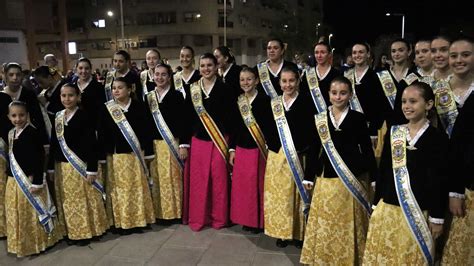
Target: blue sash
388, 86
178, 83
119, 118
76, 162
45, 211
347, 177
313, 85
354, 101
265, 80
445, 105
289, 149
412, 77
163, 128
411, 210
108, 85
143, 78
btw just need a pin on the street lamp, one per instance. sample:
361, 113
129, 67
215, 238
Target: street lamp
110, 13
403, 21
330, 36
317, 30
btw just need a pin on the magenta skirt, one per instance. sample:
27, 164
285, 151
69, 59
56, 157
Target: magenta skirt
246, 207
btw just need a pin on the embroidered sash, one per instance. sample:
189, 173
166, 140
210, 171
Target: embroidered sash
354, 101
445, 105
313, 85
289, 149
410, 78
3, 149
45, 210
428, 80
411, 210
143, 79
207, 121
265, 80
388, 86
246, 112
76, 162
127, 132
162, 127
44, 113
347, 177
108, 85
178, 83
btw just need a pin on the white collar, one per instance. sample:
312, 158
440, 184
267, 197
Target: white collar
337, 123
18, 93
412, 142
461, 99
358, 79
423, 74
116, 72
69, 116
403, 76
186, 80
163, 94
207, 93
125, 109
288, 106
18, 132
252, 98
227, 70
82, 88
279, 68
321, 77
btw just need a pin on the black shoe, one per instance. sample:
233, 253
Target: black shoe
246, 228
256, 231
281, 243
298, 244
83, 242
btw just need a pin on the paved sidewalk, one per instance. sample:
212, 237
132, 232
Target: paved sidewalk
167, 245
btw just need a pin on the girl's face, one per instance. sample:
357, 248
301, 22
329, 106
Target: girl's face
69, 97
18, 116
440, 53
120, 91
14, 77
274, 51
321, 54
120, 63
207, 68
360, 54
423, 54
289, 83
339, 94
248, 81
186, 58
83, 70
400, 52
414, 106
461, 59
221, 60
162, 78
152, 59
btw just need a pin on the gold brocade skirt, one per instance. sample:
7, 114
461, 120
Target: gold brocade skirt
283, 205
82, 204
168, 183
380, 141
25, 235
459, 249
3, 181
337, 226
130, 195
389, 240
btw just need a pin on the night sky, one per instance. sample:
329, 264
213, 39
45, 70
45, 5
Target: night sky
366, 20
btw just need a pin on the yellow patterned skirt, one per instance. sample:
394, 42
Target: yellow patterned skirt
25, 235
132, 205
380, 141
104, 169
459, 249
3, 181
389, 240
337, 226
168, 183
283, 214
82, 204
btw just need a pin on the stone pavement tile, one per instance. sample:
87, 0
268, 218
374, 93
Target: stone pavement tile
272, 259
140, 246
230, 249
119, 261
176, 256
268, 244
185, 237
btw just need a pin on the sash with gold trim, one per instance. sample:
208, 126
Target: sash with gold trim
44, 113
143, 79
163, 128
347, 177
207, 121
76, 162
246, 112
127, 131
45, 210
388, 86
412, 77
428, 80
445, 105
354, 101
108, 85
3, 149
264, 76
411, 210
178, 83
289, 149
313, 85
